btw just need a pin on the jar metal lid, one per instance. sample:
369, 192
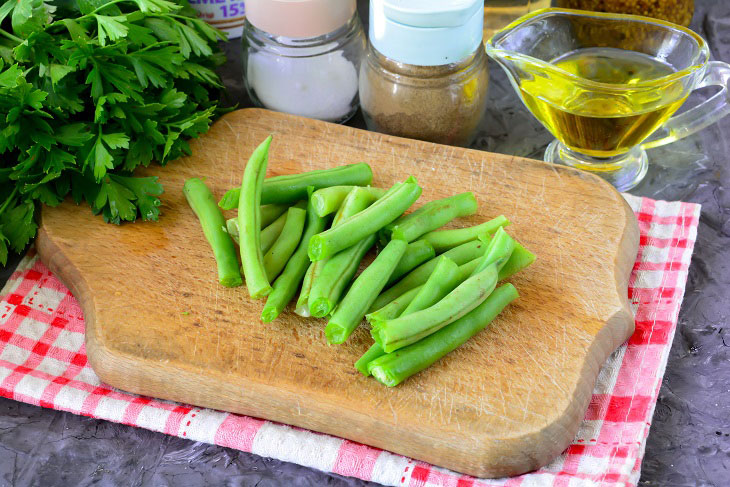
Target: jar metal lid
426, 32
299, 18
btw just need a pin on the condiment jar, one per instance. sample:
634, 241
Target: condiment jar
425, 74
303, 57
677, 11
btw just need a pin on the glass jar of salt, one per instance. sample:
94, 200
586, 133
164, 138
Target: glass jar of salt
303, 57
425, 74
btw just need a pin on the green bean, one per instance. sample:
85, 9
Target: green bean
293, 187
520, 258
272, 232
249, 221
461, 255
372, 353
269, 213
431, 216
499, 250
443, 280
285, 286
302, 306
201, 201
395, 305
232, 229
268, 234
229, 201
356, 200
416, 254
406, 329
395, 308
398, 305
337, 273
362, 293
443, 240
277, 257
328, 200
393, 368
354, 229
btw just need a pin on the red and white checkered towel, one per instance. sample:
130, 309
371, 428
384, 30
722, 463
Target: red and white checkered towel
43, 362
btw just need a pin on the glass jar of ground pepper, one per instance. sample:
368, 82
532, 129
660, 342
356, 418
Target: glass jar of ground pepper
425, 75
676, 11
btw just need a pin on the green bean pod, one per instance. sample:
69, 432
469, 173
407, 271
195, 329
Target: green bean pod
371, 354
356, 200
232, 229
520, 258
461, 255
336, 275
362, 293
329, 200
393, 368
431, 216
211, 220
269, 213
398, 305
354, 229
277, 257
302, 306
499, 249
249, 222
416, 254
292, 187
270, 233
444, 278
443, 240
406, 329
286, 285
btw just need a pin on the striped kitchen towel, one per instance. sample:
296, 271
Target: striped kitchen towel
43, 362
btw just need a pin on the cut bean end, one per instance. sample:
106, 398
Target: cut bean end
320, 308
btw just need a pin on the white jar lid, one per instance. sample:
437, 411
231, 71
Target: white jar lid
299, 18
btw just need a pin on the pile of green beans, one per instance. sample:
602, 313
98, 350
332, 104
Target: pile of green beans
427, 291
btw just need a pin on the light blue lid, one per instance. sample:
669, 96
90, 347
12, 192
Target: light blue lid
426, 32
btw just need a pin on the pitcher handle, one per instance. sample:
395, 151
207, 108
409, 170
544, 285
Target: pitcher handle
699, 117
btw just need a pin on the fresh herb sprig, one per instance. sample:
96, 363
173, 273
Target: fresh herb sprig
89, 91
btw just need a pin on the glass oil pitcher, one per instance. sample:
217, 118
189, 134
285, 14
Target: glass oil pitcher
606, 85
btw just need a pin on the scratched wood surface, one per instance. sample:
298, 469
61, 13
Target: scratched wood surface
508, 401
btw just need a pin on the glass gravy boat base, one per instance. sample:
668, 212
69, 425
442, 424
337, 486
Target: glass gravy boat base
623, 171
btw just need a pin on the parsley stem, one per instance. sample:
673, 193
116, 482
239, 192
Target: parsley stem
7, 201
11, 36
156, 44
102, 7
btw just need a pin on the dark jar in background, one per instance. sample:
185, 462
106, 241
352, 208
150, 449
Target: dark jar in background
675, 11
425, 74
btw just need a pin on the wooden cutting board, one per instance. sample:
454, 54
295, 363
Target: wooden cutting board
508, 401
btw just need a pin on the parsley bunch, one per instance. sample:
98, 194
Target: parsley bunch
90, 90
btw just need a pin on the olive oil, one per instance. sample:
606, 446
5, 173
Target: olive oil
598, 119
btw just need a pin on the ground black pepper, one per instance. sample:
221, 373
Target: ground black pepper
442, 104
